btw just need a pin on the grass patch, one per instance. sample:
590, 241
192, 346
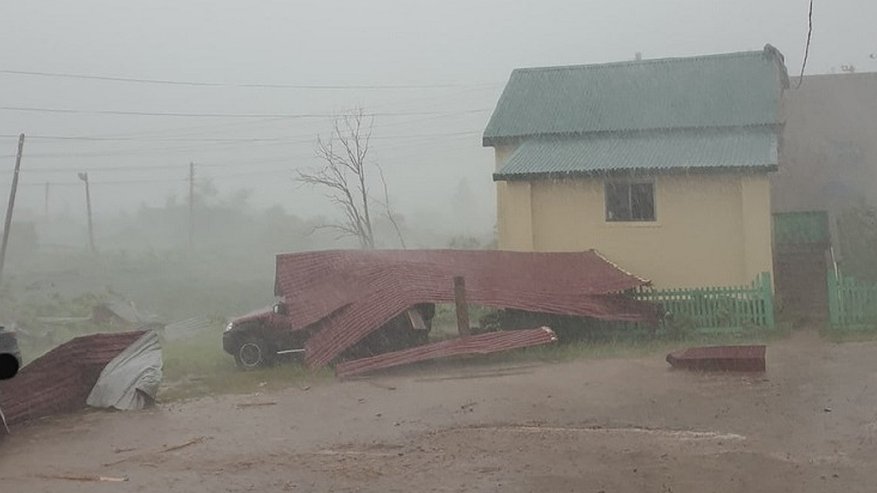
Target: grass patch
198, 367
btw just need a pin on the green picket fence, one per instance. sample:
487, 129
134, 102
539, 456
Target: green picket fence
718, 308
852, 304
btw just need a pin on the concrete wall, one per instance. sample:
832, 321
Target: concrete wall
711, 229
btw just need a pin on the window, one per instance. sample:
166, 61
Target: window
630, 201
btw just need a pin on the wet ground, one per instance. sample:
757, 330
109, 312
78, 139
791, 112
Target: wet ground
615, 425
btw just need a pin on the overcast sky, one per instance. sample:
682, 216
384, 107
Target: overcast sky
426, 137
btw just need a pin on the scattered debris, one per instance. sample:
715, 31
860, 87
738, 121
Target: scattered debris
468, 406
191, 442
255, 404
380, 385
85, 478
720, 358
122, 313
480, 344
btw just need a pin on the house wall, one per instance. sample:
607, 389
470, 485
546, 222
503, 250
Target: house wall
513, 208
711, 229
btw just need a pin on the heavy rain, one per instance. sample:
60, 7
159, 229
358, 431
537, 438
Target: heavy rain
438, 246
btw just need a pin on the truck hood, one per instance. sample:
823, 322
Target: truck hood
258, 314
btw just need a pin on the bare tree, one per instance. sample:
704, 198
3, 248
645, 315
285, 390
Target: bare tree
343, 176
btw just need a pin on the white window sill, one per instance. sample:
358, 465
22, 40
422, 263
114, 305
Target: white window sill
632, 224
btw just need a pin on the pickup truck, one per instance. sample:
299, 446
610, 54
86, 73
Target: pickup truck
258, 338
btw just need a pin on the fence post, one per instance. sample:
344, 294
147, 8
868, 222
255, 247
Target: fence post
767, 292
833, 291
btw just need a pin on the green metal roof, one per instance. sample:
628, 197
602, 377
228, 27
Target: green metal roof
751, 148
726, 90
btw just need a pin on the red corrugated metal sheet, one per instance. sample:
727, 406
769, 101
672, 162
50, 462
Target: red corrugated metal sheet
720, 358
480, 344
60, 380
355, 292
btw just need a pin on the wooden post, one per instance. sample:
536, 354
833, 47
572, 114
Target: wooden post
7, 225
461, 306
84, 177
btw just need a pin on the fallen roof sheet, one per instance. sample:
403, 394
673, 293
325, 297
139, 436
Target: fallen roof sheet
60, 380
353, 292
131, 379
720, 358
491, 342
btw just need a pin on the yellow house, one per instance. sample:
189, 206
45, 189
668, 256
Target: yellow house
661, 165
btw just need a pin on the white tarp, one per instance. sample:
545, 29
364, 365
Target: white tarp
131, 379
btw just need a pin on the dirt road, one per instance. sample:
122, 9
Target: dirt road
621, 425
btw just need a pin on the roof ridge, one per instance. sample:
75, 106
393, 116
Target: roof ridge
651, 61
753, 127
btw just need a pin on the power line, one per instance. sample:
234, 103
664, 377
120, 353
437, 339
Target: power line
259, 85
88, 138
807, 47
104, 182
223, 115
219, 145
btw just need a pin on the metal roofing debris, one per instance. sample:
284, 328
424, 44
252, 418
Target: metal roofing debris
649, 151
126, 311
353, 293
491, 342
720, 358
725, 90
131, 379
187, 328
60, 380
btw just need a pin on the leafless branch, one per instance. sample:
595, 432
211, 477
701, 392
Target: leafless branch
387, 210
343, 175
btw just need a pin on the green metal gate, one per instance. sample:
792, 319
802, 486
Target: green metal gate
852, 304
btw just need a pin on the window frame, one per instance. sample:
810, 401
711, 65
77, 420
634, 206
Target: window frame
629, 182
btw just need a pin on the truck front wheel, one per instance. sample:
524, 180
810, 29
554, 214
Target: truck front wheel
254, 352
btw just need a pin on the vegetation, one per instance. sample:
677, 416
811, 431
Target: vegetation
344, 176
198, 367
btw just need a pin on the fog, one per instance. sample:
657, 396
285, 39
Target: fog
672, 280
430, 72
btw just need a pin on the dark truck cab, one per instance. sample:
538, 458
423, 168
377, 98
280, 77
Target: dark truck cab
259, 337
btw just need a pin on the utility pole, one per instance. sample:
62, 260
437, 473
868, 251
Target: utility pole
84, 177
191, 202
7, 225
